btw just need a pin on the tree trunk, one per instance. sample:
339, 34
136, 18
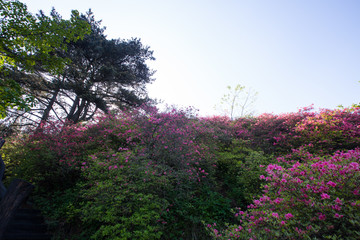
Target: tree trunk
76, 116
73, 108
46, 113
17, 193
85, 112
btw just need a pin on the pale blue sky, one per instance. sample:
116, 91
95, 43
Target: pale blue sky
293, 52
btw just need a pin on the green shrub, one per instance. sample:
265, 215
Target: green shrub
238, 168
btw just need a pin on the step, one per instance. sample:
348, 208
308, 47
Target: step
28, 211
33, 216
26, 236
25, 226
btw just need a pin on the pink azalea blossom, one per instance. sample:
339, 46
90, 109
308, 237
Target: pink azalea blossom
330, 183
337, 200
322, 217
338, 215
325, 196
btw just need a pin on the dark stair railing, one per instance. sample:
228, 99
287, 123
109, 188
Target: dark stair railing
17, 223
2, 171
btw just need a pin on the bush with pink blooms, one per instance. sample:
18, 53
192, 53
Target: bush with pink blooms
315, 199
328, 130
331, 130
145, 149
147, 174
271, 133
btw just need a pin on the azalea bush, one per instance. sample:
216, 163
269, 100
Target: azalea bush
331, 130
272, 133
150, 174
328, 130
316, 199
166, 157
39, 159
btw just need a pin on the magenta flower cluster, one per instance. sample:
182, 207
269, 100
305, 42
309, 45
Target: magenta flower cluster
311, 192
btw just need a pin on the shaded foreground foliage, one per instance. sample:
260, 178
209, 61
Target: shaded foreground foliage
146, 174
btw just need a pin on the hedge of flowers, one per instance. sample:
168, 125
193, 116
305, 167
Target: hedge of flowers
314, 199
137, 174
310, 191
147, 174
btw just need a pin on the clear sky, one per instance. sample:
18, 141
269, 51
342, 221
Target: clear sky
293, 53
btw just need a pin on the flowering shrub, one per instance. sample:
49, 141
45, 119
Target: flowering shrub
331, 130
145, 149
173, 139
316, 199
39, 158
146, 174
271, 133
328, 130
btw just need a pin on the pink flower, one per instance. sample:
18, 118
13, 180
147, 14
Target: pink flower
270, 167
275, 215
322, 217
262, 177
325, 196
282, 222
336, 207
337, 200
288, 215
354, 165
257, 202
338, 215
330, 183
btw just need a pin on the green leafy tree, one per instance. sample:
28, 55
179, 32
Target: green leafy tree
29, 42
103, 74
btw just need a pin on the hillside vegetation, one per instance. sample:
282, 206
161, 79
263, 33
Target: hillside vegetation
147, 174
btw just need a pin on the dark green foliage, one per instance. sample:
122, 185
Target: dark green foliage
62, 211
238, 172
39, 165
104, 72
189, 211
123, 202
